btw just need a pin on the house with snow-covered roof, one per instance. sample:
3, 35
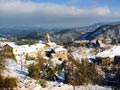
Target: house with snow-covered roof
61, 53
33, 50
50, 44
19, 51
8, 48
58, 52
111, 54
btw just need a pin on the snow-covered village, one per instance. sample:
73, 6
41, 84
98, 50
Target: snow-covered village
46, 65
59, 44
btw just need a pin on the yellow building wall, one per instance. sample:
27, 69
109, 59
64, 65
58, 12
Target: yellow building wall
63, 55
16, 51
36, 53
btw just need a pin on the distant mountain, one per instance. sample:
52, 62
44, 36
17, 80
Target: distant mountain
104, 31
14, 30
65, 35
32, 35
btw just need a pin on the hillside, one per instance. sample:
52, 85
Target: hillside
32, 35
104, 31
63, 35
66, 35
101, 30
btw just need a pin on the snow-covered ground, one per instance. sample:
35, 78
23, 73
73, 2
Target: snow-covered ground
24, 82
60, 86
14, 69
83, 52
27, 83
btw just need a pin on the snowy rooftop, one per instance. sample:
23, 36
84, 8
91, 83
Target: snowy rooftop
24, 48
51, 44
33, 48
12, 44
59, 48
114, 51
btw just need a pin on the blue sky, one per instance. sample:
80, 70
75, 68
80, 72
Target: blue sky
58, 13
115, 4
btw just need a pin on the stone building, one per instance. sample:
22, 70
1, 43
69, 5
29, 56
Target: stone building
57, 52
103, 60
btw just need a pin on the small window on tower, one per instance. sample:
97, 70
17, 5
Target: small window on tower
60, 59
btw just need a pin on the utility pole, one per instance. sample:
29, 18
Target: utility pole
73, 77
21, 63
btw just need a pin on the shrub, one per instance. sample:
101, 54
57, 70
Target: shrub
1, 82
41, 60
114, 41
42, 82
7, 83
83, 74
33, 71
10, 82
2, 62
29, 58
50, 74
41, 63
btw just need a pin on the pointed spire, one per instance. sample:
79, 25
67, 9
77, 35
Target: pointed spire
48, 38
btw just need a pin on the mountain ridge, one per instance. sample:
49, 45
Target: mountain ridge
109, 30
105, 31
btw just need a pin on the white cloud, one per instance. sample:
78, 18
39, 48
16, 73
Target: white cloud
20, 6
26, 10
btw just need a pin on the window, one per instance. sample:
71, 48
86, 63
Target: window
60, 59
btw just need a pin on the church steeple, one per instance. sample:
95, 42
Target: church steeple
47, 38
